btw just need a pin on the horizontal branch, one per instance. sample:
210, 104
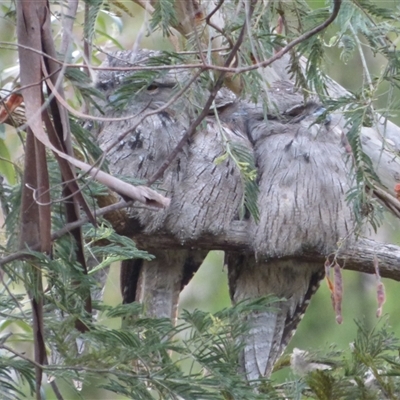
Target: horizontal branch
359, 257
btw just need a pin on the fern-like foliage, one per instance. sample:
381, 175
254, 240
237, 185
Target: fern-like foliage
145, 359
370, 371
138, 81
94, 7
246, 163
164, 16
85, 91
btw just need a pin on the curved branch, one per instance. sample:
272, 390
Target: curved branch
295, 42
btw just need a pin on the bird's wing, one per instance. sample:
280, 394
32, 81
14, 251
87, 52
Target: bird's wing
211, 191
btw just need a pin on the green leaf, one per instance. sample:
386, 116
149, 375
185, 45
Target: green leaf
164, 16
244, 159
94, 8
6, 166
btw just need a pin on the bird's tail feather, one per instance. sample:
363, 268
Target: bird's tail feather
258, 345
157, 283
270, 330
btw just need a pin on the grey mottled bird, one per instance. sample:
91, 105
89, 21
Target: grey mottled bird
205, 196
303, 181
139, 155
302, 177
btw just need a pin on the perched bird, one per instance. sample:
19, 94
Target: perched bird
211, 191
205, 195
139, 155
302, 177
303, 180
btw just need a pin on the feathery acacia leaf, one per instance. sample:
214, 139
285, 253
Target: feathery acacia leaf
94, 8
136, 363
164, 16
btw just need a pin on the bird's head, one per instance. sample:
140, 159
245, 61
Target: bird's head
140, 78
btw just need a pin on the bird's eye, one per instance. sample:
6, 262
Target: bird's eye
152, 88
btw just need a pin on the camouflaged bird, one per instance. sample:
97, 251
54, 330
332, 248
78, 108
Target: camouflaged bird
303, 180
205, 196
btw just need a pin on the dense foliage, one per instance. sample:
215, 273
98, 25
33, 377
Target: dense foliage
138, 357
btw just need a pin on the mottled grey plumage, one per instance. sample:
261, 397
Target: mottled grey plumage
292, 280
303, 182
210, 192
157, 284
205, 197
144, 149
302, 178
139, 155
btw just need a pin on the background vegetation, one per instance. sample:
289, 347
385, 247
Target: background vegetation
118, 25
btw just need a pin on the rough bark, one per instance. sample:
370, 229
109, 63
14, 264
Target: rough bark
358, 257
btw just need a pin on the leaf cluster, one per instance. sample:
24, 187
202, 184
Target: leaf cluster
370, 371
143, 359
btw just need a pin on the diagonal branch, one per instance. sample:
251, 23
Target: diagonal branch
206, 108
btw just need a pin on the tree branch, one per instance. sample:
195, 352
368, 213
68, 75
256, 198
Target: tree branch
213, 93
358, 257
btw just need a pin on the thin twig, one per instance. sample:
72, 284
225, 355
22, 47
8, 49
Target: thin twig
47, 367
82, 66
56, 390
367, 75
68, 18
295, 42
192, 128
15, 300
20, 355
336, 7
79, 114
217, 28
66, 229
220, 81
196, 35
